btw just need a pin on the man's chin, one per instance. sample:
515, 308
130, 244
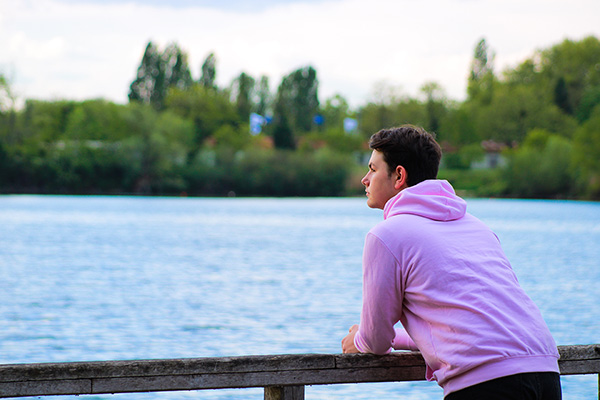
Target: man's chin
370, 204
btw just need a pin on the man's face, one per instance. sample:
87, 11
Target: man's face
380, 186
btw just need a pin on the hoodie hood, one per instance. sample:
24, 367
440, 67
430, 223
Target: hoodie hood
434, 199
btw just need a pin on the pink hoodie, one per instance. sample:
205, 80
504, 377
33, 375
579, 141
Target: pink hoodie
442, 273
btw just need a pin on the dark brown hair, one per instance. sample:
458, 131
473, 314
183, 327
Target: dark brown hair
412, 147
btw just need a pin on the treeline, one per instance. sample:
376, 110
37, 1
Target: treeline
530, 131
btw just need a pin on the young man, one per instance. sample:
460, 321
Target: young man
442, 273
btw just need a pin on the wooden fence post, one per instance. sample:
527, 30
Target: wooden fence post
284, 393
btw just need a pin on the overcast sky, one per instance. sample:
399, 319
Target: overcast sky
67, 49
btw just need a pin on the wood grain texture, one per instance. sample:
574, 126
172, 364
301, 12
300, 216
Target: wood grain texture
275, 371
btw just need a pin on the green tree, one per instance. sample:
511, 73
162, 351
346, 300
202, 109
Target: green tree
6, 127
286, 173
231, 137
283, 136
158, 145
148, 86
334, 111
177, 70
458, 126
375, 116
575, 62
526, 73
297, 97
586, 155
389, 108
96, 120
590, 99
565, 75
481, 78
517, 109
8, 114
157, 73
545, 91
209, 72
82, 167
7, 97
64, 147
561, 96
208, 109
263, 94
434, 105
100, 147
42, 123
541, 167
242, 91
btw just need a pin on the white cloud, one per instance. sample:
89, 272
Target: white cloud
93, 50
51, 48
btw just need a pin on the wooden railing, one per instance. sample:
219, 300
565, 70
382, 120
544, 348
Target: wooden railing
281, 376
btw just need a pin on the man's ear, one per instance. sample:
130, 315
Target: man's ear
401, 178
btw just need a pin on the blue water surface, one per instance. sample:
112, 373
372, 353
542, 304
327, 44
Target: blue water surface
107, 278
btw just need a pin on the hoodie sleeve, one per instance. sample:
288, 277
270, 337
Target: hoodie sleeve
402, 341
382, 299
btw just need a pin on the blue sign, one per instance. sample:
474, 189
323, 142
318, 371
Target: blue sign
350, 125
256, 123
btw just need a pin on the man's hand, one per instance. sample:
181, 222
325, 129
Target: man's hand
348, 342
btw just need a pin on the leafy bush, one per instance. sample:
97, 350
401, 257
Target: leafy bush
268, 172
476, 182
541, 167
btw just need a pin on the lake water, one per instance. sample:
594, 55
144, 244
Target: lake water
107, 278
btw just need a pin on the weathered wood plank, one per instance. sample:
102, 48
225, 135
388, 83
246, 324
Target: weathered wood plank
45, 388
580, 352
581, 359
190, 366
256, 379
297, 370
579, 367
210, 381
403, 358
